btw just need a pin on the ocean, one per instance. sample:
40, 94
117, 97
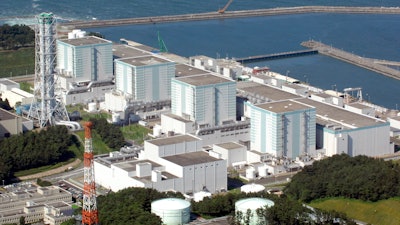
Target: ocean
374, 36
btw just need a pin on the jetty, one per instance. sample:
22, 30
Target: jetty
281, 55
233, 14
367, 63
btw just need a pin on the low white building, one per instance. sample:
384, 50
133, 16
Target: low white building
232, 152
49, 204
172, 163
360, 109
7, 84
16, 95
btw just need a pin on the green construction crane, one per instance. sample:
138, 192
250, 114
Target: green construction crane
161, 44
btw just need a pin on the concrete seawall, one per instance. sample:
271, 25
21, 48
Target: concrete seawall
234, 14
367, 63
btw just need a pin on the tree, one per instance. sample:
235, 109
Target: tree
359, 177
22, 220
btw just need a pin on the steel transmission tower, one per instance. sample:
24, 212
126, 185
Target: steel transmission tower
89, 210
45, 108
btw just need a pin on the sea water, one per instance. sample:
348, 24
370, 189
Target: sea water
374, 36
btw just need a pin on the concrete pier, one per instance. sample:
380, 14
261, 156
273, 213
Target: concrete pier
367, 63
234, 14
281, 55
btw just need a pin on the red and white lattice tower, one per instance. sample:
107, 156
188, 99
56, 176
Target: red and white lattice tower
89, 209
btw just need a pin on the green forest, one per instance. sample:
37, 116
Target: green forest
133, 206
34, 149
16, 36
110, 134
359, 177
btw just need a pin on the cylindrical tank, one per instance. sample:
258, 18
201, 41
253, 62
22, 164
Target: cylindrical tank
252, 204
252, 188
172, 211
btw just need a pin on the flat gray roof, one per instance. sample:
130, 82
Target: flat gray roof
259, 90
229, 145
322, 95
180, 118
89, 40
294, 86
173, 140
192, 158
283, 106
131, 165
359, 106
144, 60
5, 115
126, 51
341, 115
205, 79
182, 70
7, 82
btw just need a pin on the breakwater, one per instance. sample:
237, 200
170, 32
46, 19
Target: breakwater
257, 58
233, 14
367, 63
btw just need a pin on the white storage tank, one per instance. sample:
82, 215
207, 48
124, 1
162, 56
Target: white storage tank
172, 211
252, 204
252, 188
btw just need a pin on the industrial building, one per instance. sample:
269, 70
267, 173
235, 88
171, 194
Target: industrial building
208, 100
342, 131
49, 204
173, 163
337, 129
282, 128
85, 68
11, 124
146, 78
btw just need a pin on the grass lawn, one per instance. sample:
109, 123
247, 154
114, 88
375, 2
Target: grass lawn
135, 132
384, 212
86, 116
19, 62
99, 147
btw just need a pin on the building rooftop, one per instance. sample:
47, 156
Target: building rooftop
359, 106
8, 82
182, 70
294, 86
229, 145
89, 40
202, 80
283, 106
180, 118
173, 140
192, 158
144, 60
5, 115
339, 115
130, 166
126, 51
261, 91
322, 95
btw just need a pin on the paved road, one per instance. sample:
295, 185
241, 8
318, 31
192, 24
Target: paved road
52, 172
